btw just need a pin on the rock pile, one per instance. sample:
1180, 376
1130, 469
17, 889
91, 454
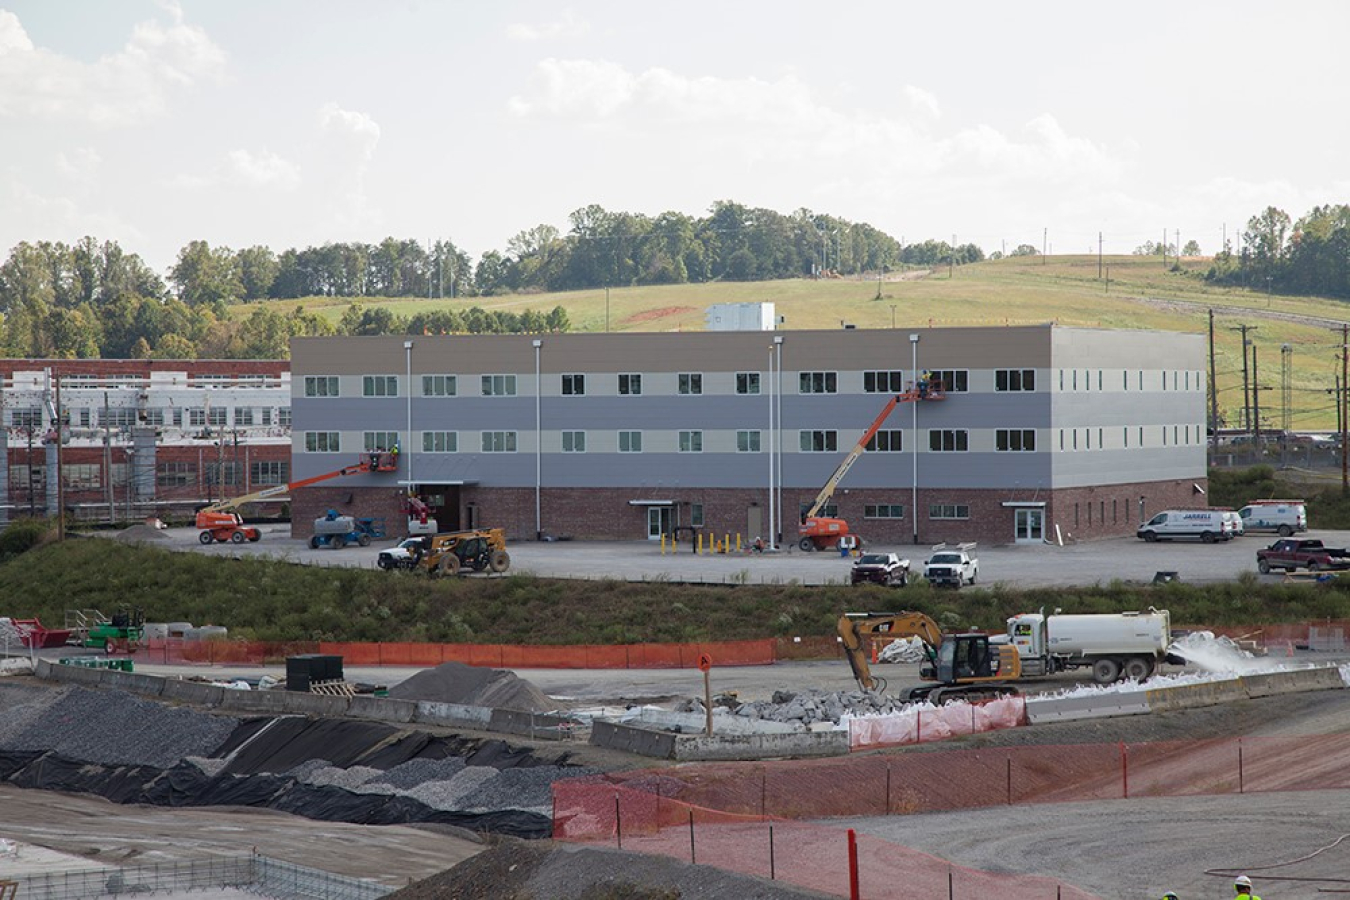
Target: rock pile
473, 686
808, 708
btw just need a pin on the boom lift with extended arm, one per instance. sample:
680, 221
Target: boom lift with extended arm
822, 532
218, 522
962, 665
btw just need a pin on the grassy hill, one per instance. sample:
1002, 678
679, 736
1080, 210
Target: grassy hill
1018, 291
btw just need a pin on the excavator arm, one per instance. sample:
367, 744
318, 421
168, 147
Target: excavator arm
856, 628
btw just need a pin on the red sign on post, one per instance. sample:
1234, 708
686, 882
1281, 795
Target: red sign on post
704, 662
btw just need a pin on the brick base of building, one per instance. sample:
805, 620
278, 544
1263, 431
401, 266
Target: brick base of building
622, 514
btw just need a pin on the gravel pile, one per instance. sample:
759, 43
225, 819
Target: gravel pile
22, 706
524, 788
115, 728
473, 686
447, 795
140, 534
416, 771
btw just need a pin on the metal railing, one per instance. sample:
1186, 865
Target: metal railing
255, 874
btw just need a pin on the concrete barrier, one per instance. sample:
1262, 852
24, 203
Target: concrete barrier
702, 748
1268, 684
236, 700
1191, 696
78, 674
131, 682
194, 692
1102, 706
43, 668
539, 726
690, 723
302, 704
452, 714
382, 709
641, 741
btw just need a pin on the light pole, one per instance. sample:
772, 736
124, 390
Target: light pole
538, 445
768, 390
776, 439
914, 434
408, 437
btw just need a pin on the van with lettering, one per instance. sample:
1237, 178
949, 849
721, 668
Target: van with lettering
1182, 524
1284, 517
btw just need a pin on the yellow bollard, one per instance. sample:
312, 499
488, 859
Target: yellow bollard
726, 542
738, 542
663, 543
698, 546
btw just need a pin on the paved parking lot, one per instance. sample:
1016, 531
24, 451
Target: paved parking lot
1033, 565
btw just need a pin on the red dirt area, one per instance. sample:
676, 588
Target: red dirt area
662, 312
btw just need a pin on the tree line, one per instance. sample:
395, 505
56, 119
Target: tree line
1308, 257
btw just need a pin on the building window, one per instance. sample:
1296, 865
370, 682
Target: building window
691, 442
948, 440
196, 417
81, 476
1015, 379
890, 441
222, 474
321, 386
379, 386
499, 441
883, 511
322, 442
243, 415
747, 382
630, 383
378, 440
265, 472
284, 416
175, 474
630, 442
439, 386
818, 383
819, 441
1015, 439
828, 511
696, 515
440, 442
954, 381
883, 382
691, 383
948, 511
218, 416
118, 418
747, 442
29, 418
499, 385
573, 385
574, 441
266, 412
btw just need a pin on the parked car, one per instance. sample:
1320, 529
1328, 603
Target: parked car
1203, 524
880, 568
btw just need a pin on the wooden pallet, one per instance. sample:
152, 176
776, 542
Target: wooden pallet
328, 689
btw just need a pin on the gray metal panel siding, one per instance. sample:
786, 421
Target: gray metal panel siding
1100, 467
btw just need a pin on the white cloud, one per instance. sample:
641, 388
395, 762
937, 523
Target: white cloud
265, 169
122, 88
568, 27
80, 164
922, 100
360, 126
350, 141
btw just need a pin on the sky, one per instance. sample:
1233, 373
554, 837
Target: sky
294, 123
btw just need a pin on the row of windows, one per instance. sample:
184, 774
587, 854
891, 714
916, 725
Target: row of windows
91, 476
1132, 436
1180, 380
126, 418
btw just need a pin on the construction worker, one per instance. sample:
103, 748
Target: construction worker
1170, 895
1242, 885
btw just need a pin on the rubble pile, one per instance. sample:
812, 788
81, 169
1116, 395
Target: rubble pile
805, 708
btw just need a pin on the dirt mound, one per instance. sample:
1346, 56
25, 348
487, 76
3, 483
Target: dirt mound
516, 870
140, 534
473, 686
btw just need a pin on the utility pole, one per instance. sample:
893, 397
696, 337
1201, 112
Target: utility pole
1256, 405
1246, 390
1045, 237
1345, 370
1213, 390
951, 260
1178, 234
1099, 255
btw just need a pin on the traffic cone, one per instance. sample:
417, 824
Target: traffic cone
1290, 650
874, 653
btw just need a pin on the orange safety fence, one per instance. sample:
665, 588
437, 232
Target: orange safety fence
808, 855
511, 656
919, 724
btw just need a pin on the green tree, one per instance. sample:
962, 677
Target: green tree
206, 276
258, 268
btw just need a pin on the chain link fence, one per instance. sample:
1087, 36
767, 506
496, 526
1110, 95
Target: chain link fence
255, 874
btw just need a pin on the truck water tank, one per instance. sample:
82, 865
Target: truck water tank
1101, 634
155, 631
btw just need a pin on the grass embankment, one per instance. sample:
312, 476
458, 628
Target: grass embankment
1014, 291
278, 601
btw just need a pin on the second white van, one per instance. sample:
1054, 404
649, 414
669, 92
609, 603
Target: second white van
1284, 517
1202, 524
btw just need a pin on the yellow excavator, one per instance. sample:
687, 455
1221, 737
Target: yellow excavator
964, 666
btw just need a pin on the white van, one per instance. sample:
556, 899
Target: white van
1285, 517
1203, 524
1233, 524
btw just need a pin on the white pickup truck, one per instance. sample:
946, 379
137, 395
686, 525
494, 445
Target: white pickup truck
952, 566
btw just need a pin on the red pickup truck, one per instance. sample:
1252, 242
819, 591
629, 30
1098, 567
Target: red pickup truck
1306, 553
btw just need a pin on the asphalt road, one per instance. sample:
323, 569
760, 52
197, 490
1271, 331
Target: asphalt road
1023, 565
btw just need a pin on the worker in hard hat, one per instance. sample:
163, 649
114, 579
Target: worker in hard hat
1170, 895
1242, 885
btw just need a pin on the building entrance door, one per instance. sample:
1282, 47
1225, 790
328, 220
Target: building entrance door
1030, 526
658, 522
754, 524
